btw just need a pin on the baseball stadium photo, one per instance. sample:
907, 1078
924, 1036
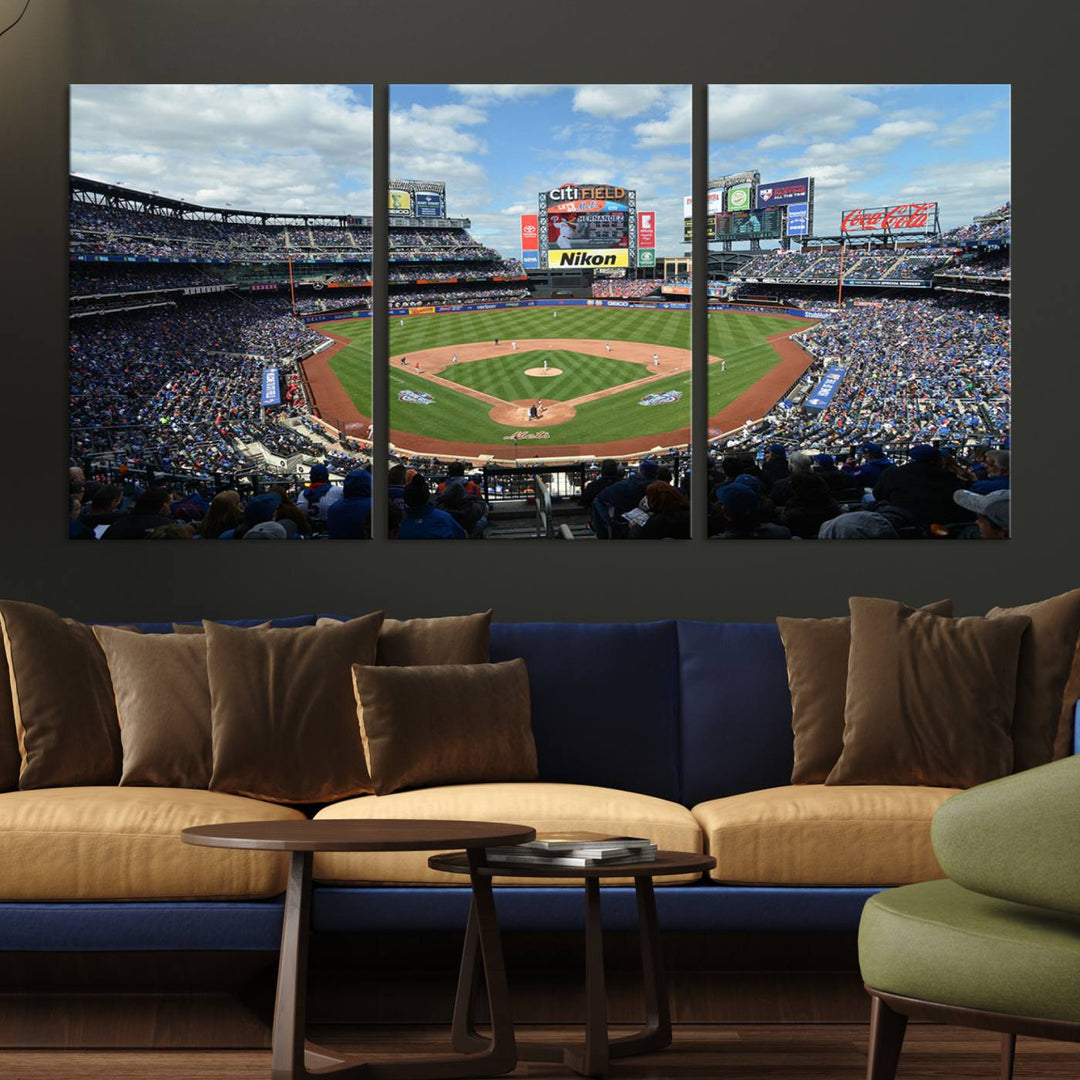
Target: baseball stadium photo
881, 218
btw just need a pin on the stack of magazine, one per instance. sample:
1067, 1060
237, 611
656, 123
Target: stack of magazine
575, 849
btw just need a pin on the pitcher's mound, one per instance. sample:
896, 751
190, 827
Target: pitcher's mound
516, 413
543, 373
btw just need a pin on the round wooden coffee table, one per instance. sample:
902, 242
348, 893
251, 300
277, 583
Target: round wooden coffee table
590, 1059
291, 1057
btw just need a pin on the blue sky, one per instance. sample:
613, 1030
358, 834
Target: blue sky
308, 147
869, 145
497, 146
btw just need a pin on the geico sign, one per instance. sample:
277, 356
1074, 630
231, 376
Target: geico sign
602, 257
573, 192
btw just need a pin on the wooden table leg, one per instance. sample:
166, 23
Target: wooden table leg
656, 1034
464, 1037
1008, 1055
592, 1059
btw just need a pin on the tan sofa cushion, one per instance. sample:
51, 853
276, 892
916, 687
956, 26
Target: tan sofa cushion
123, 843
810, 834
546, 807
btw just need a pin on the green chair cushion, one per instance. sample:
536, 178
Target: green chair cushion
940, 942
1016, 838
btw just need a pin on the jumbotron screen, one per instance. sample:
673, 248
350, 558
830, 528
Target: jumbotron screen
575, 231
750, 224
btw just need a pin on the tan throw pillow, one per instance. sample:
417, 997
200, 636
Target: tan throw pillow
446, 724
197, 628
1046, 656
816, 651
1066, 729
929, 699
62, 697
163, 703
453, 639
283, 713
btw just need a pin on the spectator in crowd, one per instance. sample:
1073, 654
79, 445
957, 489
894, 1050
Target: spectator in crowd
737, 516
397, 478
619, 498
258, 509
463, 500
423, 521
175, 530
296, 522
992, 511
318, 495
825, 467
350, 517
76, 529
997, 473
858, 525
919, 493
801, 461
267, 530
874, 463
151, 509
775, 467
809, 505
223, 516
669, 514
104, 507
610, 473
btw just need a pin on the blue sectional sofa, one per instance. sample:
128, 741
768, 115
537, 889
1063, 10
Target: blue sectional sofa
679, 729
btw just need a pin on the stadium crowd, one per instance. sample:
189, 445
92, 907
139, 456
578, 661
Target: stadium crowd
626, 288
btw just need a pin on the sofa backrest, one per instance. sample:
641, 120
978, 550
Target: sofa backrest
735, 710
605, 701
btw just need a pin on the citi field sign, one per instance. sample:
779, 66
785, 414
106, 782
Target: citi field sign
577, 192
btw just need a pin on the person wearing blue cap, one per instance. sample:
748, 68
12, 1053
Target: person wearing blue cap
920, 493
258, 509
738, 518
423, 521
775, 466
874, 463
350, 517
621, 497
317, 496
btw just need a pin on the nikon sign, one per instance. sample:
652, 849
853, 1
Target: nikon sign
588, 260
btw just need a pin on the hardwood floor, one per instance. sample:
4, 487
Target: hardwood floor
699, 1052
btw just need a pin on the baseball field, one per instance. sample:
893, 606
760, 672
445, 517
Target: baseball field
463, 383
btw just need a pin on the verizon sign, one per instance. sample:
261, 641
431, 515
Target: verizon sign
910, 216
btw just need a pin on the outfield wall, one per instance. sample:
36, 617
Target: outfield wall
445, 309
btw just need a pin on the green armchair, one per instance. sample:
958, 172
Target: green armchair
997, 944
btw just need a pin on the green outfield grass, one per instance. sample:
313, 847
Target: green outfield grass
504, 376
739, 337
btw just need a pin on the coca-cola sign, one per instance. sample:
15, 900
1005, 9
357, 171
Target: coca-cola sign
890, 218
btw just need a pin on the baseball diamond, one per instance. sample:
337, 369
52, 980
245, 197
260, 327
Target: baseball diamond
591, 397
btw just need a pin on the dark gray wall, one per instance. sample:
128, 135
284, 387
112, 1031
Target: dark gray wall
62, 41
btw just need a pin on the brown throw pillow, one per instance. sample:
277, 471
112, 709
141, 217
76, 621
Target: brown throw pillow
163, 703
1066, 729
197, 628
929, 699
453, 639
817, 662
283, 713
9, 738
446, 724
62, 697
1046, 656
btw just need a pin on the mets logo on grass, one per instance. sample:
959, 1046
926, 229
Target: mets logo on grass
415, 397
668, 398
520, 436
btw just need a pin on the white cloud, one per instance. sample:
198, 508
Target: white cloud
618, 102
303, 147
971, 123
794, 111
499, 93
674, 128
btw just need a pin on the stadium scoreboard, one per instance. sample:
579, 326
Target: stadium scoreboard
588, 226
750, 224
